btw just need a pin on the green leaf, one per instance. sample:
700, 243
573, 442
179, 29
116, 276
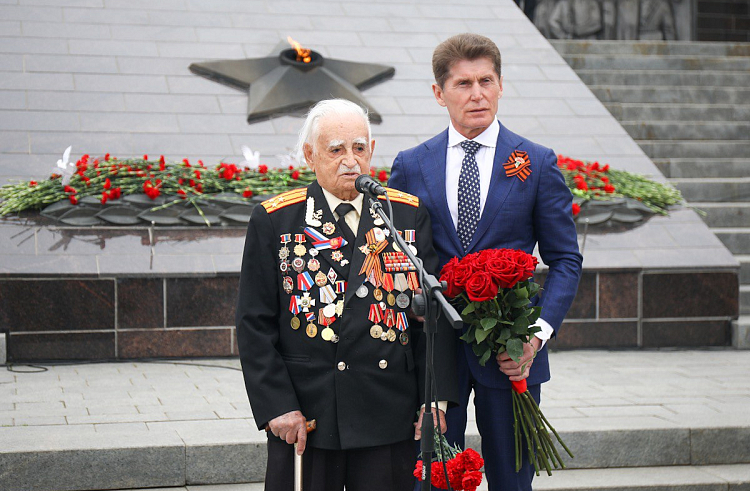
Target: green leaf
488, 323
504, 334
468, 336
485, 356
469, 309
514, 347
521, 302
521, 325
481, 335
522, 292
479, 349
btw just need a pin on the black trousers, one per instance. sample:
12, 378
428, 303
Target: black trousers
383, 468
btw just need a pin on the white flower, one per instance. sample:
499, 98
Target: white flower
252, 159
64, 167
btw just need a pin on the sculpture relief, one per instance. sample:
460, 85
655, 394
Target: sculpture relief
615, 19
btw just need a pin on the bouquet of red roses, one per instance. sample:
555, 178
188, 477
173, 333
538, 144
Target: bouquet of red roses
462, 467
491, 289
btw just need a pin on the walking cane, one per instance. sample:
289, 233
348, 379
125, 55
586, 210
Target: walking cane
309, 426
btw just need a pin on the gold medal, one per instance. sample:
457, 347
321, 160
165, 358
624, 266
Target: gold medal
327, 334
376, 331
391, 299
300, 250
321, 279
384, 336
339, 307
391, 335
378, 294
295, 323
311, 330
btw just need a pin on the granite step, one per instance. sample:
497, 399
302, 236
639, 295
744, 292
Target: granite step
663, 95
651, 48
737, 240
665, 77
744, 260
703, 167
634, 111
741, 332
735, 189
74, 458
686, 130
724, 214
738, 149
657, 62
744, 299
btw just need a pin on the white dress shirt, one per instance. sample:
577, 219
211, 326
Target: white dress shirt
351, 219
485, 157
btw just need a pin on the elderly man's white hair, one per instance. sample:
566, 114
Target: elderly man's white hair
309, 131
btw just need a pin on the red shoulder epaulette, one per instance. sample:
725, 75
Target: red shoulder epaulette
284, 199
401, 197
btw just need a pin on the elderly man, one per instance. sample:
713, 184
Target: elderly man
487, 188
322, 321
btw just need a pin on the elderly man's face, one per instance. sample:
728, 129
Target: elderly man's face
340, 154
471, 93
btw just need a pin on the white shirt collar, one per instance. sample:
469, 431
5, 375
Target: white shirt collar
488, 138
333, 202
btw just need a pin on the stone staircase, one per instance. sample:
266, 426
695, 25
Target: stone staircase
688, 106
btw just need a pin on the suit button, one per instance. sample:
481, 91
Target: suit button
383, 364
341, 366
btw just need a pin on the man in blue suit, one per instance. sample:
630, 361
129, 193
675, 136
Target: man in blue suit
486, 187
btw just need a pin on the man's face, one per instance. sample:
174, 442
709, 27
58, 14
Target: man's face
340, 154
470, 93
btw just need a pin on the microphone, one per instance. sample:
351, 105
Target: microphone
367, 185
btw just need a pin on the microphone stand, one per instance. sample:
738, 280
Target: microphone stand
425, 304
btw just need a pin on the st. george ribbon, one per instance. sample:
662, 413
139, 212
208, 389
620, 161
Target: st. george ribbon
426, 304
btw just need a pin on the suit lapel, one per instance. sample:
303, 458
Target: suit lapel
366, 223
321, 203
432, 165
500, 184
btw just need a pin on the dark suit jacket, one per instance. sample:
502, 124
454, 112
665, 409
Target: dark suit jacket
517, 215
362, 405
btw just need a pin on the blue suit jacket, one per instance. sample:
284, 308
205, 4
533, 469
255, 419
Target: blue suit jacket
516, 215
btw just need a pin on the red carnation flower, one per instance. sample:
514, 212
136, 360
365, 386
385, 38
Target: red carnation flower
609, 188
32, 183
576, 209
107, 183
73, 200
295, 175
247, 193
162, 163
262, 168
382, 176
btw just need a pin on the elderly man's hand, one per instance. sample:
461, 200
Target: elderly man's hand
436, 413
291, 428
519, 371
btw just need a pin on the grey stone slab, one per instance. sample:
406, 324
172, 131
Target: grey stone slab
74, 101
198, 85
26, 12
70, 64
121, 83
10, 28
39, 121
735, 475
238, 463
33, 45
161, 265
154, 33
69, 30
113, 47
167, 5
36, 81
720, 445
189, 104
153, 66
11, 63
48, 265
221, 124
235, 35
12, 99
94, 143
372, 55
126, 122
202, 51
195, 19
106, 16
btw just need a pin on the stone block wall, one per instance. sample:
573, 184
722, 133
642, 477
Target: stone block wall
723, 20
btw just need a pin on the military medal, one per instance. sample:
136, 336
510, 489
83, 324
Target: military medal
305, 302
313, 265
401, 322
340, 286
332, 275
390, 335
328, 228
304, 281
312, 216
375, 331
298, 264
327, 334
339, 307
319, 241
362, 291
284, 267
403, 338
329, 311
299, 249
313, 252
321, 279
327, 295
409, 238
413, 281
337, 256
284, 251
378, 294
388, 286
401, 285
390, 321
311, 330
295, 323
288, 284
376, 218
397, 261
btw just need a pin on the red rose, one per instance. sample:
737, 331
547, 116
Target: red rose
526, 264
504, 271
447, 275
461, 274
481, 287
576, 209
472, 480
520, 386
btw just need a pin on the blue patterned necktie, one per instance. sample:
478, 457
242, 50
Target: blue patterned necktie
468, 194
